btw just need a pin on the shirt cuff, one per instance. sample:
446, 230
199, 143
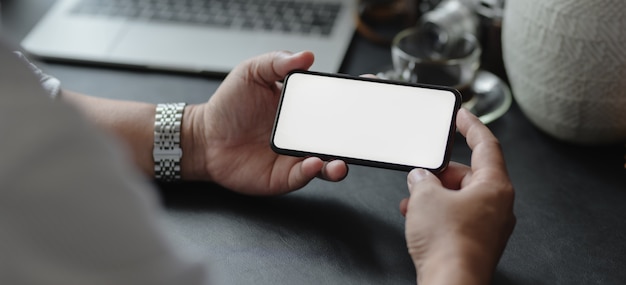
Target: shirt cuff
50, 84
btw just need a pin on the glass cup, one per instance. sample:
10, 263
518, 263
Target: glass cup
418, 56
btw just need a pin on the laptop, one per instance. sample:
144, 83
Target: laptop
199, 36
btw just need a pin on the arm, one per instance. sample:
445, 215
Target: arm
133, 122
225, 140
458, 224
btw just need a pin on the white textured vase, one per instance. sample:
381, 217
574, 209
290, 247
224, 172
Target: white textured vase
566, 62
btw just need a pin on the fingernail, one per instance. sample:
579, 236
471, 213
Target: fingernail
286, 56
290, 54
417, 175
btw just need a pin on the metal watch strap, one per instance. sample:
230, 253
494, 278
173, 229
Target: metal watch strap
167, 152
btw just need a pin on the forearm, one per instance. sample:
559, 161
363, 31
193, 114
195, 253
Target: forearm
131, 122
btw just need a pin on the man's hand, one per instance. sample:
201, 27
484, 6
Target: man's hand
227, 139
458, 224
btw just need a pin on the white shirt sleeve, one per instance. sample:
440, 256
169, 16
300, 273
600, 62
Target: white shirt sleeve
73, 209
50, 84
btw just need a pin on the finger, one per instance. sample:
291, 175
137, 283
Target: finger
486, 152
368, 75
304, 171
335, 170
404, 206
453, 176
274, 66
420, 179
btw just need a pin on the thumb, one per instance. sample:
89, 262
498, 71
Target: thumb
420, 178
274, 66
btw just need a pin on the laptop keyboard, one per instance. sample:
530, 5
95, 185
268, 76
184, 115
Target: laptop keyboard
285, 16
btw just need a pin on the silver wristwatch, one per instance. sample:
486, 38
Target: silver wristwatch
167, 152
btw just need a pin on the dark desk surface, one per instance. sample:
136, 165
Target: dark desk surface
570, 203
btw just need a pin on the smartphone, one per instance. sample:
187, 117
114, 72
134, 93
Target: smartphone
366, 121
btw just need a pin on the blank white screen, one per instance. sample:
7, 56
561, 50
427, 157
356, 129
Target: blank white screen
365, 120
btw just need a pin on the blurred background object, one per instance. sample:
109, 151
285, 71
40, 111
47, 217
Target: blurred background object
454, 43
380, 20
450, 19
449, 23
176, 35
419, 56
566, 61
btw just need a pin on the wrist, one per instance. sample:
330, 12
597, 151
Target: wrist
463, 263
193, 144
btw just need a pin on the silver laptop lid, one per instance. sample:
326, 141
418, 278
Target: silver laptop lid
192, 35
